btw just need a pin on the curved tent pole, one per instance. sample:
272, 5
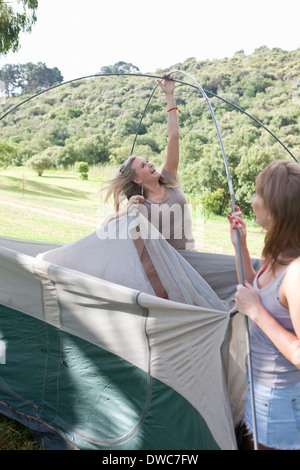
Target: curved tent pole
142, 117
148, 76
230, 185
257, 121
220, 98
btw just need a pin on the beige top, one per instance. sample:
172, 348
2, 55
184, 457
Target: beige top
172, 217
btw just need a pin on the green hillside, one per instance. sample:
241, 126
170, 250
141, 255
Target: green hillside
95, 120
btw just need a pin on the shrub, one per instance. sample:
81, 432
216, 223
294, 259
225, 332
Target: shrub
211, 201
83, 169
40, 163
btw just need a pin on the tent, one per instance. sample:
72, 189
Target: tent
121, 342
117, 341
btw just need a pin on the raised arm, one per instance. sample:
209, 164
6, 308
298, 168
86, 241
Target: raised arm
172, 160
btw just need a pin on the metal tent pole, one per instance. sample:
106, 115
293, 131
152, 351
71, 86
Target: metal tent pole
230, 185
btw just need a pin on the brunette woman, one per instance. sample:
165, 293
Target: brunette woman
271, 300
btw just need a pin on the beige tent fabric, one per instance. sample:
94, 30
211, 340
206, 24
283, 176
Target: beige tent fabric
236, 367
27, 247
110, 253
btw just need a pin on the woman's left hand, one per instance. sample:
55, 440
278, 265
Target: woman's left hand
134, 202
247, 300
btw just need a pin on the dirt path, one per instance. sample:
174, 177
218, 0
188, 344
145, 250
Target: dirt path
37, 209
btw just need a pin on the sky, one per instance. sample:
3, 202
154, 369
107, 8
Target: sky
81, 36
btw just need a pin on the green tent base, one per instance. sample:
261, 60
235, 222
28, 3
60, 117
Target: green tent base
131, 406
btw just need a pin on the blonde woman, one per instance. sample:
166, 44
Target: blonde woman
157, 195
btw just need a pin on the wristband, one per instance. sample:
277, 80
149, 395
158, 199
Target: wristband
171, 109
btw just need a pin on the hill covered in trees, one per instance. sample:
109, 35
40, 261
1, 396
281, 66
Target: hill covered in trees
95, 120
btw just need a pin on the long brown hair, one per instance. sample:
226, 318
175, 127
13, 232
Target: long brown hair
279, 186
122, 186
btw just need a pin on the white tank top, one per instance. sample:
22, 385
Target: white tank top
269, 366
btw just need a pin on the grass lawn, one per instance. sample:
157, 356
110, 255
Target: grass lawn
57, 207
60, 207
15, 436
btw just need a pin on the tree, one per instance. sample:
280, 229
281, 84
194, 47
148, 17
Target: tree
67, 156
11, 76
92, 150
120, 67
12, 23
7, 150
252, 162
39, 76
40, 163
28, 78
192, 146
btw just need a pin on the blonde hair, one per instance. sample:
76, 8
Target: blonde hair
122, 186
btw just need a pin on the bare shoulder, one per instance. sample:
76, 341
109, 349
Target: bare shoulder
292, 276
289, 289
294, 267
